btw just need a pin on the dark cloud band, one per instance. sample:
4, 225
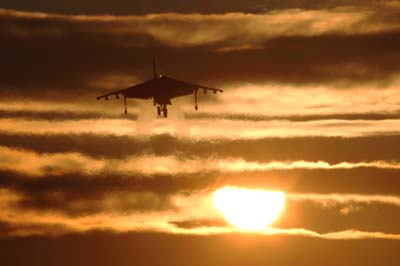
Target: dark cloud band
77, 51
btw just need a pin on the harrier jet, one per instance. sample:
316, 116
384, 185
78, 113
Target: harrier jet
161, 89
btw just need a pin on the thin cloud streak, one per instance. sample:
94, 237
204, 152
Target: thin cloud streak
18, 105
335, 199
273, 100
70, 115
328, 149
341, 235
203, 129
128, 224
41, 164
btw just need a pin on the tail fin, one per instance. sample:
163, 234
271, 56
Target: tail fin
154, 68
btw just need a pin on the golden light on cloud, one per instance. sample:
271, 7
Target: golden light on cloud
249, 209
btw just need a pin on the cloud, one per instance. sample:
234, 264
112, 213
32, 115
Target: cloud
77, 166
155, 223
257, 103
82, 115
368, 213
59, 115
330, 149
70, 204
241, 165
190, 6
77, 194
352, 181
203, 129
328, 199
329, 102
86, 48
183, 29
34, 164
342, 235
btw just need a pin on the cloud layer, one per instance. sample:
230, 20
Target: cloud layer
310, 107
220, 47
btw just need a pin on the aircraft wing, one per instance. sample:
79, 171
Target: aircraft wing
175, 88
105, 96
141, 91
161, 87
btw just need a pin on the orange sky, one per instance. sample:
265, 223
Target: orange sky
310, 107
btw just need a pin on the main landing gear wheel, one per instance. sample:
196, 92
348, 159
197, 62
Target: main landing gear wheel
165, 111
162, 109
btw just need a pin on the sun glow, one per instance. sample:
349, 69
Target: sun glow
249, 209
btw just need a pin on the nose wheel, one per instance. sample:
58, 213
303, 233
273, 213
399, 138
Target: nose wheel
162, 108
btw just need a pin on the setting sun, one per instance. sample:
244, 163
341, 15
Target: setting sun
249, 209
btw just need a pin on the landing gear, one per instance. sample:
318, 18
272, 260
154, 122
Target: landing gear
126, 110
162, 108
165, 111
195, 100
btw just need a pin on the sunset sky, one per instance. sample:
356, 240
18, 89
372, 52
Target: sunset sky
306, 133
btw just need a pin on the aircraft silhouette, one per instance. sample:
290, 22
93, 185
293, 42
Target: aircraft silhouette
161, 89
